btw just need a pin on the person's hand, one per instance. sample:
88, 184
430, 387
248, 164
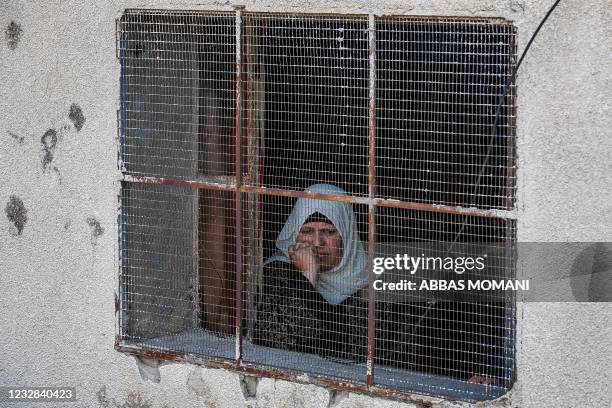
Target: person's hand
304, 257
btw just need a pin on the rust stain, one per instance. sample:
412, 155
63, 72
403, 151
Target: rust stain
380, 202
264, 371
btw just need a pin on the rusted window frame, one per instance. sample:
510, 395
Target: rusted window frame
238, 187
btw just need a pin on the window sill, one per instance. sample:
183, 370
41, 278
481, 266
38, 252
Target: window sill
218, 351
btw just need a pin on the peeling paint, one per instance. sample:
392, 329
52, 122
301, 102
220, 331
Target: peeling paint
17, 214
76, 116
248, 384
48, 141
147, 367
12, 34
336, 396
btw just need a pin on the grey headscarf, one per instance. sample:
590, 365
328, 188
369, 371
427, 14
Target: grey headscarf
350, 274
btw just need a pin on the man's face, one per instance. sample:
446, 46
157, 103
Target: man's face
326, 240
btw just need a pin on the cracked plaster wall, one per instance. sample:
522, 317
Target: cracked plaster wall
58, 267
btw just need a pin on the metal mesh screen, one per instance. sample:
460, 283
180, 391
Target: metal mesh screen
451, 334
158, 259
439, 84
177, 93
177, 120
313, 90
226, 118
285, 313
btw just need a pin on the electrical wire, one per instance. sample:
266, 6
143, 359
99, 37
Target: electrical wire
498, 112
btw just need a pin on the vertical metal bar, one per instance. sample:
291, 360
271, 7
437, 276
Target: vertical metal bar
511, 248
372, 195
238, 197
123, 219
250, 62
252, 242
196, 295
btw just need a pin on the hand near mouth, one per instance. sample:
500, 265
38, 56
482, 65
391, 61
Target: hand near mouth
305, 257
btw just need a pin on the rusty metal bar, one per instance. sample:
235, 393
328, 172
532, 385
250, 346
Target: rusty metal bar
462, 19
250, 177
379, 202
372, 195
237, 192
428, 18
265, 371
200, 183
509, 262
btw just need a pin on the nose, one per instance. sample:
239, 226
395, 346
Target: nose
317, 240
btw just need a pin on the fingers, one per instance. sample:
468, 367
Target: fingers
301, 247
304, 257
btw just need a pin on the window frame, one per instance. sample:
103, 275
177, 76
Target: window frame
239, 185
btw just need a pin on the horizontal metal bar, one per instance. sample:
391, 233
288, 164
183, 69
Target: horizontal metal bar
451, 19
211, 184
355, 16
222, 183
265, 371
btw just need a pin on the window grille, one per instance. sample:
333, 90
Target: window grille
226, 118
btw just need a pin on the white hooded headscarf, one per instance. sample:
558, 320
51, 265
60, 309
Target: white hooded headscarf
350, 274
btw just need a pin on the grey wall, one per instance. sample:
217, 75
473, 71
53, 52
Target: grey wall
59, 85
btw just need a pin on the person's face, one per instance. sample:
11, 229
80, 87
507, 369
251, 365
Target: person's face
326, 240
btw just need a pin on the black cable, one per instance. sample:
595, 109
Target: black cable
432, 303
533, 38
498, 112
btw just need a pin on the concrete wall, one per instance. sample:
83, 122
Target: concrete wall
59, 84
